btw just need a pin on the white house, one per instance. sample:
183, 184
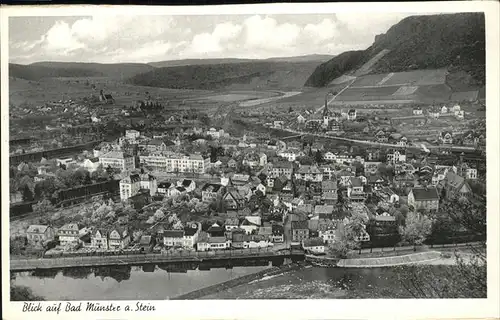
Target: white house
314, 245
132, 134
129, 186
68, 234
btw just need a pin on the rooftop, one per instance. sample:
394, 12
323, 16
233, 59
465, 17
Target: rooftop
425, 193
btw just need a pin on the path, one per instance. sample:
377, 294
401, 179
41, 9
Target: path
378, 144
335, 96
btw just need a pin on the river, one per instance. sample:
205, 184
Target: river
158, 283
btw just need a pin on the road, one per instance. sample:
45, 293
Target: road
379, 144
138, 259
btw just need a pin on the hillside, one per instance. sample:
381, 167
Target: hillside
36, 72
111, 70
187, 62
453, 41
244, 75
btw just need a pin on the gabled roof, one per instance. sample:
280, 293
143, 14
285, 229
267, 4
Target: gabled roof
173, 233
211, 187
356, 182
300, 224
188, 231
70, 227
454, 180
309, 169
36, 228
282, 165
164, 185
425, 194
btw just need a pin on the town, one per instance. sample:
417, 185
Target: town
180, 184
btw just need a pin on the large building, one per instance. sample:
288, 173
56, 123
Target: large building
130, 185
426, 198
117, 160
176, 163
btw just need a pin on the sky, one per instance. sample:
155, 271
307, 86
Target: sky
142, 39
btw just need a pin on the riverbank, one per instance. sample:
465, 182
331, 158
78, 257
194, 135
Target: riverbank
247, 279
419, 257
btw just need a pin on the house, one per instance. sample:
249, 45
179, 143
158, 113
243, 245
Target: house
403, 141
446, 137
300, 231
129, 186
233, 199
329, 191
202, 244
456, 185
266, 232
118, 238
215, 134
444, 109
250, 225
345, 177
215, 230
417, 111
396, 156
165, 188
191, 233
99, 238
277, 233
157, 145
231, 224
323, 211
290, 154
381, 136
309, 173
187, 184
314, 245
219, 243
68, 234
90, 165
330, 156
327, 230
211, 191
425, 198
148, 182
117, 160
38, 235
351, 115
282, 168
173, 238
301, 119
132, 134
240, 179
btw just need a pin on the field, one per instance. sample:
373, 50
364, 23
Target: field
465, 96
417, 77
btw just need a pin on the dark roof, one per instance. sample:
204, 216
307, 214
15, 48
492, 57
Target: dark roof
454, 179
300, 224
212, 187
186, 182
425, 193
173, 233
190, 231
164, 185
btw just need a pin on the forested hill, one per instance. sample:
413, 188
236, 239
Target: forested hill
456, 41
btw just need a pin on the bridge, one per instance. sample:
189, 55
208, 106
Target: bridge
20, 265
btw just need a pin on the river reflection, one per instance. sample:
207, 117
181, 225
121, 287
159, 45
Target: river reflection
146, 282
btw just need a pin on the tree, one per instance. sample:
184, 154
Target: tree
318, 157
417, 228
43, 207
345, 243
159, 215
27, 194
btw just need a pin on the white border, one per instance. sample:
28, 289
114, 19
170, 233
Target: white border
289, 309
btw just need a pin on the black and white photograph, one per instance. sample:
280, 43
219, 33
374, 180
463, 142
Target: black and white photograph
266, 156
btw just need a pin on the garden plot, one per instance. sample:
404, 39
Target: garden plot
418, 77
405, 91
